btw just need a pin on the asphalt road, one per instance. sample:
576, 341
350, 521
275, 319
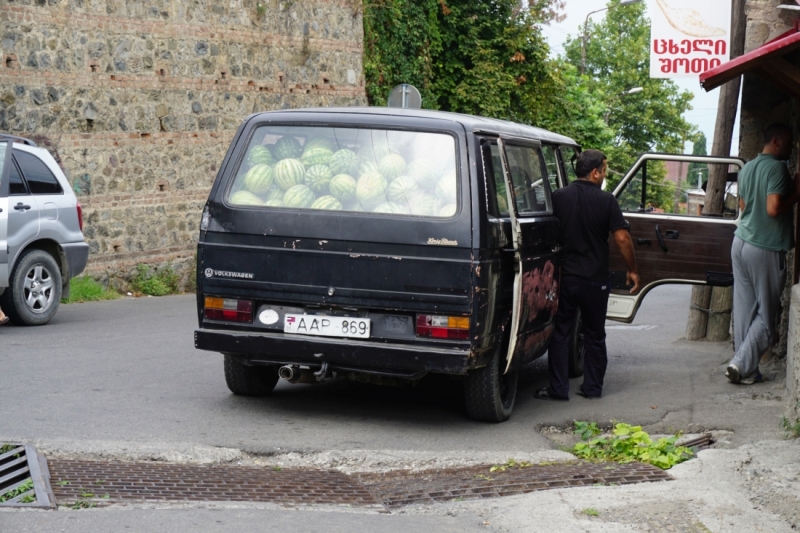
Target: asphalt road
127, 371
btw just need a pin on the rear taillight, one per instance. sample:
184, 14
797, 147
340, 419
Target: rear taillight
80, 215
228, 309
443, 327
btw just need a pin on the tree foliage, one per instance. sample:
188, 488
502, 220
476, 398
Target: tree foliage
489, 57
617, 60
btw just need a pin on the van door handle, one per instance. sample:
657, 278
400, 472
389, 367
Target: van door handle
673, 234
661, 239
21, 207
643, 241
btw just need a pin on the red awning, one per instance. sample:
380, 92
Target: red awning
767, 61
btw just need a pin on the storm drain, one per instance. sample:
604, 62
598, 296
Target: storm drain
24, 480
398, 489
78, 482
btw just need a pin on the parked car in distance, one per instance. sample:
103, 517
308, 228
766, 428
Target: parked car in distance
385, 243
41, 239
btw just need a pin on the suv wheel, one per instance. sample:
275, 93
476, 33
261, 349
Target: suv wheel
576, 348
244, 380
34, 290
490, 394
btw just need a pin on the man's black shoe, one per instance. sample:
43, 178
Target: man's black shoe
581, 393
545, 394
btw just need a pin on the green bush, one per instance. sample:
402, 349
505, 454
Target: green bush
160, 282
628, 443
86, 289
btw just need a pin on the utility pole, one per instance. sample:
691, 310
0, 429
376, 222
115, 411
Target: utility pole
701, 324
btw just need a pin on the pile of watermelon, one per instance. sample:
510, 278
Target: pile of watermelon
317, 174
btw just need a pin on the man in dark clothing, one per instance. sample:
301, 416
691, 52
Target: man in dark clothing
586, 215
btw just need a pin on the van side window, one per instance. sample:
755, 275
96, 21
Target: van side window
16, 185
530, 192
551, 162
496, 196
569, 156
39, 178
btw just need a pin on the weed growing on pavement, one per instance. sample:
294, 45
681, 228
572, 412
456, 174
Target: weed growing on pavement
82, 504
791, 429
511, 463
629, 443
86, 289
22, 489
160, 282
591, 512
5, 448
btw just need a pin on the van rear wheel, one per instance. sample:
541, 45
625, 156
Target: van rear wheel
244, 380
577, 349
490, 394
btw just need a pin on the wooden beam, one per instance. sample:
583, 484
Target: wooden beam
779, 79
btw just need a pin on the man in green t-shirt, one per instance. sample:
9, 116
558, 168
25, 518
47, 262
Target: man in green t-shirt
766, 197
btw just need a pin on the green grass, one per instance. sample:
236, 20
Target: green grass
791, 429
591, 512
158, 282
22, 489
86, 289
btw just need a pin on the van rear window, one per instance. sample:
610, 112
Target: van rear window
348, 169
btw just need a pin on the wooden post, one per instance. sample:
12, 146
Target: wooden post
719, 320
717, 179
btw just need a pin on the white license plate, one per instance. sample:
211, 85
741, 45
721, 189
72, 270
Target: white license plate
327, 326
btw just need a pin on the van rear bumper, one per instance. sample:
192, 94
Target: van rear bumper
356, 356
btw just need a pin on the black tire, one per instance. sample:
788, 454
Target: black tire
34, 289
577, 350
488, 393
258, 380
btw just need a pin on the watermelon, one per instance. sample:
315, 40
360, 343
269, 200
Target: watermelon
318, 142
327, 202
367, 165
344, 161
258, 179
446, 190
287, 147
448, 210
245, 198
402, 190
276, 193
299, 196
318, 178
425, 172
371, 190
274, 203
392, 166
316, 156
289, 172
260, 155
374, 149
343, 188
391, 207
423, 205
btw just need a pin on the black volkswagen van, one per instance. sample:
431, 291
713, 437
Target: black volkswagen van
379, 242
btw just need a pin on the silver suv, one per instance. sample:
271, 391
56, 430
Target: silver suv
41, 239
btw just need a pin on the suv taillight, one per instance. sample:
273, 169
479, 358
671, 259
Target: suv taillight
80, 215
228, 309
443, 327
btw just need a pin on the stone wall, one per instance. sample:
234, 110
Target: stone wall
139, 100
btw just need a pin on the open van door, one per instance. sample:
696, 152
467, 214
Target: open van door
662, 198
535, 233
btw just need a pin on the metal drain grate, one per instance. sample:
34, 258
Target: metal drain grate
97, 483
24, 479
398, 489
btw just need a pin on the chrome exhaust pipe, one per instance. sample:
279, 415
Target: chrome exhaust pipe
286, 372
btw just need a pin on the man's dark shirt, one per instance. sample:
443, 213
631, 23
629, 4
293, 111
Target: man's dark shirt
586, 215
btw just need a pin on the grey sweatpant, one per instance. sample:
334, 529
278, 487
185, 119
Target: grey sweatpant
758, 279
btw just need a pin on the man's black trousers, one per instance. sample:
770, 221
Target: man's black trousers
591, 297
